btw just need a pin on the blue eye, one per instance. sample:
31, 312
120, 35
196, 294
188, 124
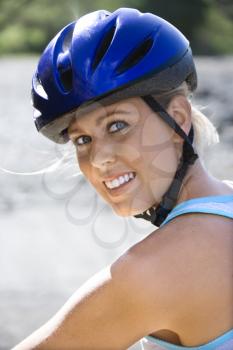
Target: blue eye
78, 138
118, 122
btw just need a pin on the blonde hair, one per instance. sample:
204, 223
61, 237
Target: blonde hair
205, 133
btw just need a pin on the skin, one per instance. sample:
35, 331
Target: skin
181, 272
104, 153
113, 153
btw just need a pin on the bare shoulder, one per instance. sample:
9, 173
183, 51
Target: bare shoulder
155, 269
188, 239
187, 262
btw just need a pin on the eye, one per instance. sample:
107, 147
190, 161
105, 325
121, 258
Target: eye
119, 124
76, 141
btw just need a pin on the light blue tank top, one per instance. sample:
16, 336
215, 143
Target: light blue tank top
220, 205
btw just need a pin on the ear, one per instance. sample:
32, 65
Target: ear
180, 109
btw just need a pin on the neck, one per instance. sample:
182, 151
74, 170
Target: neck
197, 183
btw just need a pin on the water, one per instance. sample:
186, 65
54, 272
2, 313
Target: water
51, 241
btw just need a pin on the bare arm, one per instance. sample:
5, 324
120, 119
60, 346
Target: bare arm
152, 286
112, 310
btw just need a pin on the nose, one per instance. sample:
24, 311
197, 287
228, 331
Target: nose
102, 153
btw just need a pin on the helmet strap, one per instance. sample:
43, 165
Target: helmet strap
157, 215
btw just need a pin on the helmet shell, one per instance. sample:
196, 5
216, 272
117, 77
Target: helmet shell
105, 57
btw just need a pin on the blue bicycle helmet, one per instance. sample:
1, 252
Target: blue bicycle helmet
125, 53
105, 57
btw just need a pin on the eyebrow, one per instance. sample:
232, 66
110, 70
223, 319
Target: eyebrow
100, 120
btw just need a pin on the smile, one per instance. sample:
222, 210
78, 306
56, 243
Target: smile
120, 181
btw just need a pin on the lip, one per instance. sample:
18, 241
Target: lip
122, 189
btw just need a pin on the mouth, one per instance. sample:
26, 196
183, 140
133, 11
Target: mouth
122, 188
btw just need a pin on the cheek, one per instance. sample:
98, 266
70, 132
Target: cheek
90, 173
129, 153
161, 172
157, 169
156, 147
165, 162
155, 133
83, 164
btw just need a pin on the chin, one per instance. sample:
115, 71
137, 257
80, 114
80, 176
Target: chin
119, 210
125, 211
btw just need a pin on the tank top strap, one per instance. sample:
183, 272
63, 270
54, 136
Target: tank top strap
218, 205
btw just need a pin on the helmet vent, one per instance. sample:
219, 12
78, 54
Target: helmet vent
135, 56
103, 47
65, 71
67, 41
66, 79
39, 87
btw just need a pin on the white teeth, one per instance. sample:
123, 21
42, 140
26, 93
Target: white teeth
115, 183
119, 181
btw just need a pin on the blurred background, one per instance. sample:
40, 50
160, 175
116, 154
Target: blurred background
55, 232
27, 25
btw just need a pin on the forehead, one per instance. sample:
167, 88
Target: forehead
96, 113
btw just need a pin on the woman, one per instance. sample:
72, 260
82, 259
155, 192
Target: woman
118, 85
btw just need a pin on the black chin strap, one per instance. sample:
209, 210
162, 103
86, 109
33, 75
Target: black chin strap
157, 215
